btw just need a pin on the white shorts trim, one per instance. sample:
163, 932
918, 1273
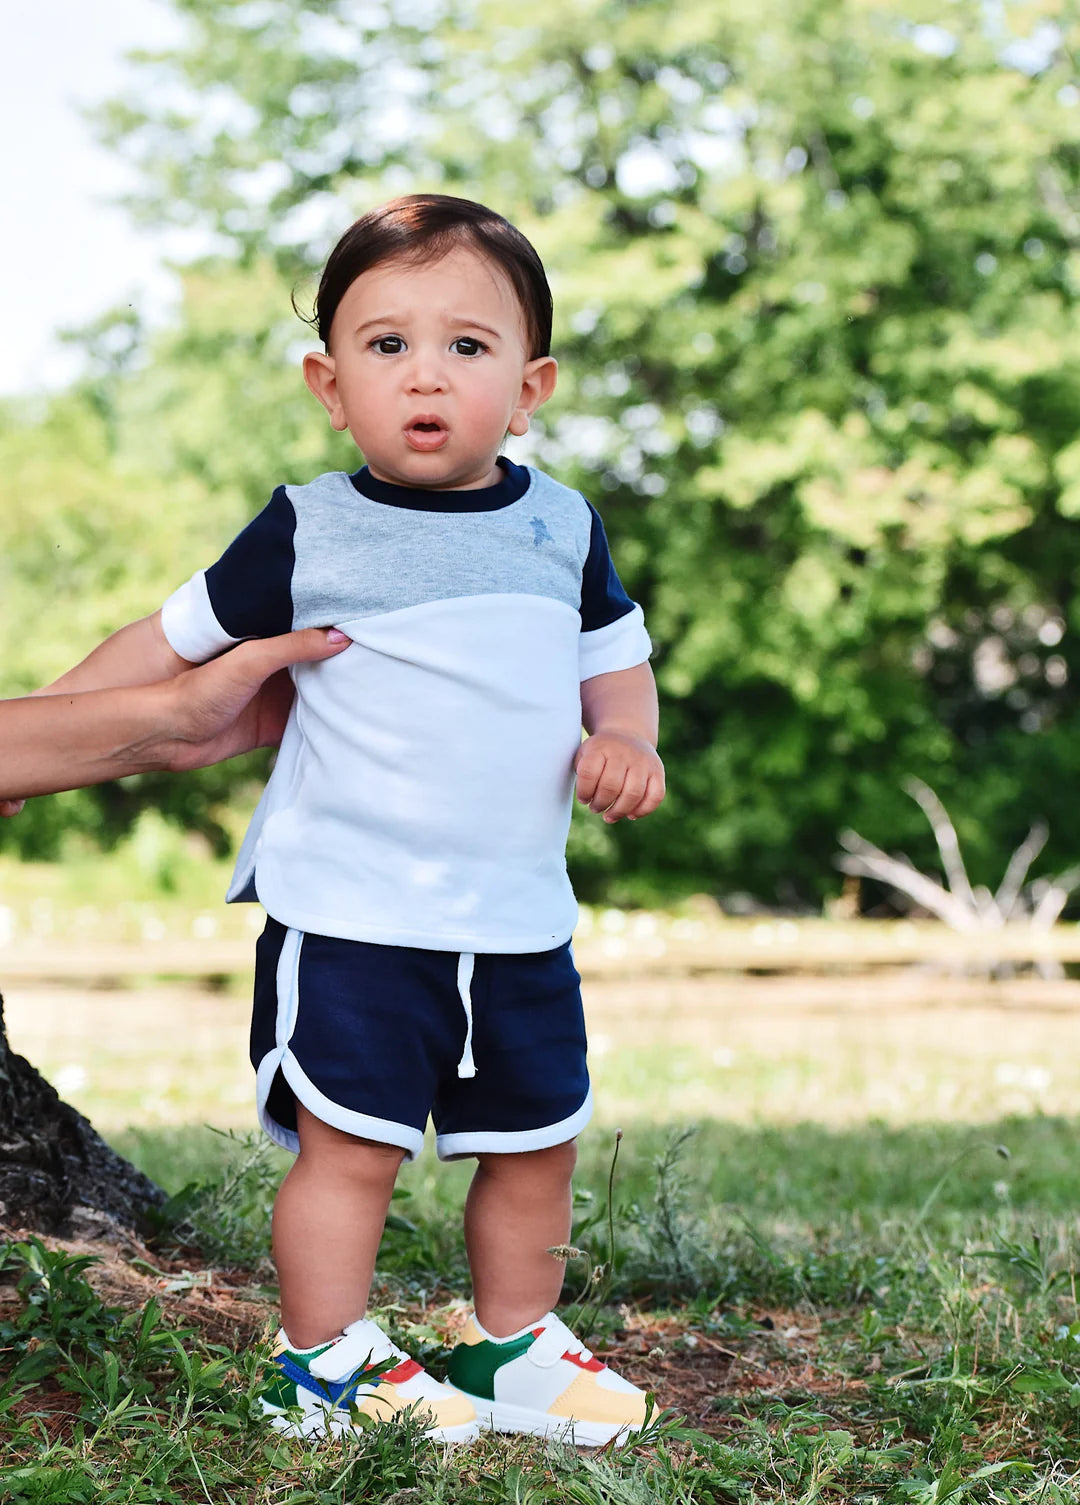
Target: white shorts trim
363, 1125
514, 1142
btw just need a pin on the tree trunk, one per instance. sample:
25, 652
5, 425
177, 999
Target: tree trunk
56, 1174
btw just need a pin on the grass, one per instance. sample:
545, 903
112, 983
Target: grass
878, 1314
846, 1240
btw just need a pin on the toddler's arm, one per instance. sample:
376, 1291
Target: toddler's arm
138, 654
619, 773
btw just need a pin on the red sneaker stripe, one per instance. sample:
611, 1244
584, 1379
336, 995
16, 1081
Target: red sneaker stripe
594, 1365
403, 1372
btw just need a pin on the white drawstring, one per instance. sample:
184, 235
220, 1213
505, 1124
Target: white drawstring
466, 1066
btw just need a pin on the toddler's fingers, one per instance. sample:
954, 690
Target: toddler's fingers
589, 769
609, 786
629, 797
10, 807
651, 799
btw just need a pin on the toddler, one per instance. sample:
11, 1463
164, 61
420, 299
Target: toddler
409, 846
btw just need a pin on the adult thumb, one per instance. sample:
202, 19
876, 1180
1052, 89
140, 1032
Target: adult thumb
307, 645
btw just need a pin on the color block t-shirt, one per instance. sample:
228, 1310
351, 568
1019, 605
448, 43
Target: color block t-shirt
424, 786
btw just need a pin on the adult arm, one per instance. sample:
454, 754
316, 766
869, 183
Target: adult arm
241, 700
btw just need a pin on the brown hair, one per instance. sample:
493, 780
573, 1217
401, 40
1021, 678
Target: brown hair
423, 227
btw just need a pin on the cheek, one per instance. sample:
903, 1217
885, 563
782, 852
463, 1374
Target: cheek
495, 401
363, 397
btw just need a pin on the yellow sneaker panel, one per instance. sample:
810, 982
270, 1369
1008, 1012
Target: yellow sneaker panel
387, 1401
585, 1400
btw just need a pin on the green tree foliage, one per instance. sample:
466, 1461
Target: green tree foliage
816, 273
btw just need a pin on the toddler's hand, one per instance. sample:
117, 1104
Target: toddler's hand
619, 775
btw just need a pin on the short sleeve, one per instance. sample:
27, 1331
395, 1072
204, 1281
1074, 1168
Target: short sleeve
246, 594
613, 634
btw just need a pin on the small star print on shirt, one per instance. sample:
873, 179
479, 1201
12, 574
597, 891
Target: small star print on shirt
540, 532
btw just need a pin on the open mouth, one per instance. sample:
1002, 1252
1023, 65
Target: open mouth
426, 434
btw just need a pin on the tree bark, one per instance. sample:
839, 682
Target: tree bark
57, 1175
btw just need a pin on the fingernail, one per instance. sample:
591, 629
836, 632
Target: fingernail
336, 636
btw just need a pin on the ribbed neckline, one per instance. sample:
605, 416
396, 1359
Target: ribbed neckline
511, 488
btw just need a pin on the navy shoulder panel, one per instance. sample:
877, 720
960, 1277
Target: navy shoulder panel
250, 587
603, 599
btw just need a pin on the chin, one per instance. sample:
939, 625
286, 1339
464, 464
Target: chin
433, 472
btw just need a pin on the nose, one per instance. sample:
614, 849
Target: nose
427, 371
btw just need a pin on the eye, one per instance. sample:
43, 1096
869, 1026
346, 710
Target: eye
388, 344
466, 345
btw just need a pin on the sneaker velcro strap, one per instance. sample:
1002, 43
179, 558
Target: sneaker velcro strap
556, 1342
364, 1344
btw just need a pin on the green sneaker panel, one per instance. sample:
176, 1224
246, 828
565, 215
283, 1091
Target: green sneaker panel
475, 1360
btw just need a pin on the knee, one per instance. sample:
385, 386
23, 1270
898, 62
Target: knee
336, 1153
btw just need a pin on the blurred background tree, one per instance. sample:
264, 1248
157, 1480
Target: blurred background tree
817, 278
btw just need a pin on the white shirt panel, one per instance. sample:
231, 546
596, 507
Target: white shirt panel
424, 787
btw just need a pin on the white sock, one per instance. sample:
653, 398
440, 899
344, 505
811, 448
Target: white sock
315, 1348
509, 1338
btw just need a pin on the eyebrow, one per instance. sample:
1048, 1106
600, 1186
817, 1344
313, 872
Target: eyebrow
454, 321
475, 324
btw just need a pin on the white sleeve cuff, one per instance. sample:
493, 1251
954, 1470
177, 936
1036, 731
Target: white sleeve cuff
189, 624
622, 644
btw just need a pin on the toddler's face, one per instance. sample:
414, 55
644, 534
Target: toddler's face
428, 370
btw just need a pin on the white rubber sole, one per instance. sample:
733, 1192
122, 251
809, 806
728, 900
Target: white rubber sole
500, 1416
324, 1422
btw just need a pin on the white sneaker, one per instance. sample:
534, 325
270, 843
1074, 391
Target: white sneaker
543, 1381
324, 1382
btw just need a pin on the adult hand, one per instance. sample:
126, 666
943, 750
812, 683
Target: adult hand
204, 715
240, 700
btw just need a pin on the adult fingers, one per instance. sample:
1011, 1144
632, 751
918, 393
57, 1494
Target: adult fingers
235, 702
221, 689
265, 656
272, 705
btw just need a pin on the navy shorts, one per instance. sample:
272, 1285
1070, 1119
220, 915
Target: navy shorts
372, 1039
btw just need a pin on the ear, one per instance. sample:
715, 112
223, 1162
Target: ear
537, 385
321, 377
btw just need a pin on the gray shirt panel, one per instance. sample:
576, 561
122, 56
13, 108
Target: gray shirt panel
356, 557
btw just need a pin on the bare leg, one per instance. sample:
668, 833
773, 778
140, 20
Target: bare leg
517, 1209
328, 1220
